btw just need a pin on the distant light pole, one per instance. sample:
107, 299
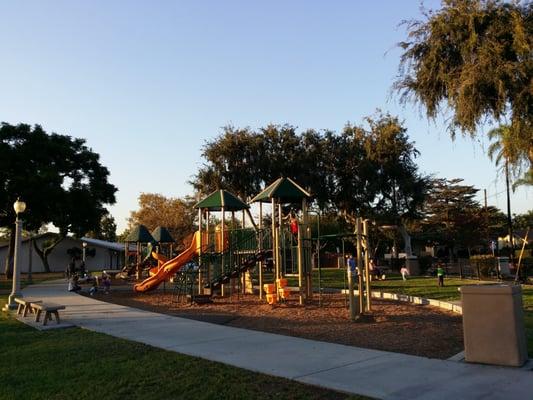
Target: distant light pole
19, 206
83, 253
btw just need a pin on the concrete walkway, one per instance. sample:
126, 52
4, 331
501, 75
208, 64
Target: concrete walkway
349, 369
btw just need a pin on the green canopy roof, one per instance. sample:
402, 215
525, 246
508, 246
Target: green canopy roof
140, 234
162, 235
285, 190
222, 198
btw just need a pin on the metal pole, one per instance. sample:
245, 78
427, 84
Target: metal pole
351, 298
260, 248
509, 219
318, 261
366, 246
222, 249
199, 250
15, 290
360, 266
282, 259
300, 264
30, 260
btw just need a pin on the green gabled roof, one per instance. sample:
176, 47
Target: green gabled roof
162, 235
222, 198
140, 234
285, 190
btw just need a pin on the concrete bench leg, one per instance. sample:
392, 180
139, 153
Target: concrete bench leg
46, 317
27, 308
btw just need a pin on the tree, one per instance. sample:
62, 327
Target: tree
507, 148
376, 174
244, 161
362, 171
175, 214
59, 177
523, 221
474, 56
455, 219
107, 230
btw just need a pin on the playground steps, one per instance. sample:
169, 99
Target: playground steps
236, 272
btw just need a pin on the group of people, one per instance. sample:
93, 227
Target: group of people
375, 271
72, 269
102, 281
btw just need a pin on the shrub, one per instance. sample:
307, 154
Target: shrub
484, 265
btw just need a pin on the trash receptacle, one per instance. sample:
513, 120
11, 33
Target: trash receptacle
503, 266
493, 324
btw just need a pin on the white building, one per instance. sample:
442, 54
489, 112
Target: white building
107, 255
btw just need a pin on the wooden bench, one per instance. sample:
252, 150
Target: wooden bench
49, 310
25, 305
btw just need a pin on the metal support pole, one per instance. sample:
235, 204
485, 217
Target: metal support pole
222, 249
300, 264
366, 246
360, 266
15, 289
261, 248
199, 250
318, 261
30, 261
351, 297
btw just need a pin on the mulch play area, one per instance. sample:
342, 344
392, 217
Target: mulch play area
394, 326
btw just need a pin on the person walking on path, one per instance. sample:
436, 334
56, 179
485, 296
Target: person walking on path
440, 273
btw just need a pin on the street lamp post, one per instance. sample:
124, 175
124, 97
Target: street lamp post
83, 256
84, 249
19, 206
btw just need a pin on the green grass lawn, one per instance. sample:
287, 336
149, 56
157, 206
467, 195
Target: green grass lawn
6, 284
79, 364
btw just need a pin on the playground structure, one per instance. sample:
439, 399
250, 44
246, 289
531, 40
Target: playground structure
230, 256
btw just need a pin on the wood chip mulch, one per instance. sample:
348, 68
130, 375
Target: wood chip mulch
392, 326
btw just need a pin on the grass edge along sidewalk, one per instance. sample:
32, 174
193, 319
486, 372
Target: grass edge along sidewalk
75, 363
427, 287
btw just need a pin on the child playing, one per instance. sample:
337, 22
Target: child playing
405, 272
440, 273
93, 289
73, 284
106, 281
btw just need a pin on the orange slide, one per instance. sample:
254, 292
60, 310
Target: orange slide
170, 267
161, 260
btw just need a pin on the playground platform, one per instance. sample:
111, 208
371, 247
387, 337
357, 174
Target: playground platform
373, 373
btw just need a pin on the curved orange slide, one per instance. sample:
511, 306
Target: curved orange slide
161, 260
170, 267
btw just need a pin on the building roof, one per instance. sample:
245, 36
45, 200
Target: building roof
285, 190
162, 235
103, 243
90, 241
140, 234
222, 198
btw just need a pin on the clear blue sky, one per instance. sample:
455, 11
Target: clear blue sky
148, 82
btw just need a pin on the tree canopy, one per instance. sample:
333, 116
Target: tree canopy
453, 217
59, 177
107, 229
175, 214
475, 58
366, 170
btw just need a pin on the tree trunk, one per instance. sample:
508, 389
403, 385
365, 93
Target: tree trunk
8, 269
46, 251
